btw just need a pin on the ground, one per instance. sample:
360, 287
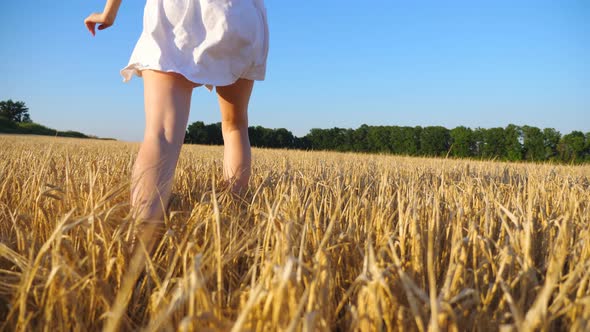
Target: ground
322, 241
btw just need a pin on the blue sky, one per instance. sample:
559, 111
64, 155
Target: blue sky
332, 63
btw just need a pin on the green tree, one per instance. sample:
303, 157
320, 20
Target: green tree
196, 134
435, 141
417, 134
494, 143
403, 140
512, 142
301, 143
264, 137
200, 133
340, 139
411, 139
214, 133
378, 139
571, 147
319, 139
360, 141
463, 142
15, 111
533, 143
284, 138
479, 141
551, 139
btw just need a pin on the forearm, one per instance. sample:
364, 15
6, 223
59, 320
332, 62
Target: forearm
111, 8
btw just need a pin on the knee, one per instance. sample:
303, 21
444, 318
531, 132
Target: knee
231, 124
164, 137
163, 140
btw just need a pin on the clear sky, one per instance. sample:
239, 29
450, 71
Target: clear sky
332, 63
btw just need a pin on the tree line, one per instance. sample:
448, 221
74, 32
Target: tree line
511, 143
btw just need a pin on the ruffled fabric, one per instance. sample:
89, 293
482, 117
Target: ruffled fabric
210, 42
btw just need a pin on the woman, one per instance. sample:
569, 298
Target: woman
186, 44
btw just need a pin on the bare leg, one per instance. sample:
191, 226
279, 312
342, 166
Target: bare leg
237, 159
167, 99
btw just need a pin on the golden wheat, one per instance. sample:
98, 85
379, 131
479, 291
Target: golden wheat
322, 241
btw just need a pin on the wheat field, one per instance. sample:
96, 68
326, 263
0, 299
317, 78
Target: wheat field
322, 241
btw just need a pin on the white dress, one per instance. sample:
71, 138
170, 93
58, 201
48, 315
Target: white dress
210, 42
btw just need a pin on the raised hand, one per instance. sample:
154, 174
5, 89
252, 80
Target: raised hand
102, 19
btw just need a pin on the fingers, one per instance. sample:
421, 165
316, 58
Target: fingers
91, 21
94, 19
103, 26
90, 26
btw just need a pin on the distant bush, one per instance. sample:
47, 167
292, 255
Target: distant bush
31, 128
15, 119
35, 129
7, 126
71, 133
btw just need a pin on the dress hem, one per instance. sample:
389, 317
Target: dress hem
135, 69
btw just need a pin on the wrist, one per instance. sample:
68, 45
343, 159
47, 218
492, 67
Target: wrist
110, 10
110, 17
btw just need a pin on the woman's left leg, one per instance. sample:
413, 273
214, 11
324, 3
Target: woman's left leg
167, 98
237, 159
